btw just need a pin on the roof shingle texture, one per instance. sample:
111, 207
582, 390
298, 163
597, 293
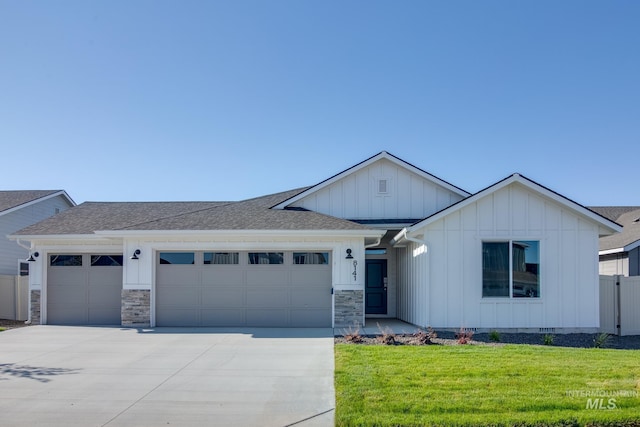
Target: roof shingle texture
252, 214
12, 199
628, 217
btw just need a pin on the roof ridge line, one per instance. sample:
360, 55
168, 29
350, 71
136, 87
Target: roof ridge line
177, 215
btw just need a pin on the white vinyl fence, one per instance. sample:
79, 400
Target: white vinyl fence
14, 297
620, 305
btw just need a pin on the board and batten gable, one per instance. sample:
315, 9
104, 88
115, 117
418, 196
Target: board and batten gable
440, 282
16, 219
380, 190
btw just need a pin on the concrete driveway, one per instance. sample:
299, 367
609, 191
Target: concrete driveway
92, 376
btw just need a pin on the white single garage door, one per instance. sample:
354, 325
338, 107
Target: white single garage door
267, 289
84, 289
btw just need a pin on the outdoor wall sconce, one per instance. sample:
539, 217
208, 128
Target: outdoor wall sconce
349, 256
135, 254
31, 257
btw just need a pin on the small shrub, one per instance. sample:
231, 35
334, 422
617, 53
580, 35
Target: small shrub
2, 329
494, 336
352, 335
464, 336
387, 337
424, 337
547, 339
601, 340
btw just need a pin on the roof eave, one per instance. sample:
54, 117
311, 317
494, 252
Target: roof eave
325, 233
38, 200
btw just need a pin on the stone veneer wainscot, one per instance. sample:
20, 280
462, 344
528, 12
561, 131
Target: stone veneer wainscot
349, 308
136, 308
35, 307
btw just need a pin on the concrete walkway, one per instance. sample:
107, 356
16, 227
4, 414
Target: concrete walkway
86, 376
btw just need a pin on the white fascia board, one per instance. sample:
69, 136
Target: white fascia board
300, 233
38, 200
608, 226
364, 164
611, 251
33, 237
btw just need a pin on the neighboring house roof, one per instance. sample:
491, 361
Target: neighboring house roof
127, 217
629, 238
382, 155
14, 200
607, 226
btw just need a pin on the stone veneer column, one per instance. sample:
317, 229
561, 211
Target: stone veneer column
136, 308
348, 308
35, 307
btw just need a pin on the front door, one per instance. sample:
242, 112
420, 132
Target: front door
376, 286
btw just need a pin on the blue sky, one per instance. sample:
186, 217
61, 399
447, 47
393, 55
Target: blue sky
212, 100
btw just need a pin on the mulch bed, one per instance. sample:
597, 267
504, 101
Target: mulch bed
449, 338
12, 324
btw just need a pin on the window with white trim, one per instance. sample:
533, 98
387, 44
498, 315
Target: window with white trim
511, 269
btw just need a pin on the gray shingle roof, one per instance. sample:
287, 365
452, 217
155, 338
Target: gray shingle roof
252, 214
628, 217
12, 199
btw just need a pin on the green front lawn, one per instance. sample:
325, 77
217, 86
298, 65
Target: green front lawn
484, 385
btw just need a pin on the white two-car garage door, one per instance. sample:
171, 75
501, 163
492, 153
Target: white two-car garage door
84, 289
269, 289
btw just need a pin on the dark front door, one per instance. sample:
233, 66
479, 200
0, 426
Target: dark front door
376, 286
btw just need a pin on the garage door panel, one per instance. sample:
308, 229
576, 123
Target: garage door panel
107, 295
311, 318
177, 274
272, 297
222, 317
178, 296
66, 314
267, 317
67, 294
177, 317
316, 298
67, 275
105, 276
267, 295
303, 276
267, 276
229, 276
222, 297
104, 316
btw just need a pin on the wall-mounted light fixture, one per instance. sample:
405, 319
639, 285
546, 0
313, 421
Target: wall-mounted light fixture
31, 257
349, 256
135, 254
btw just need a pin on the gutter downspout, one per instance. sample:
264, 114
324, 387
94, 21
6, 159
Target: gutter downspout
371, 245
23, 245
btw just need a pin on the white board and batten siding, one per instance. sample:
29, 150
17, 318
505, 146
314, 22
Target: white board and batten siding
441, 283
404, 194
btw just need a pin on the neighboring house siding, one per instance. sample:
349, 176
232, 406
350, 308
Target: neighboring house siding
450, 266
634, 262
407, 195
613, 264
10, 251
